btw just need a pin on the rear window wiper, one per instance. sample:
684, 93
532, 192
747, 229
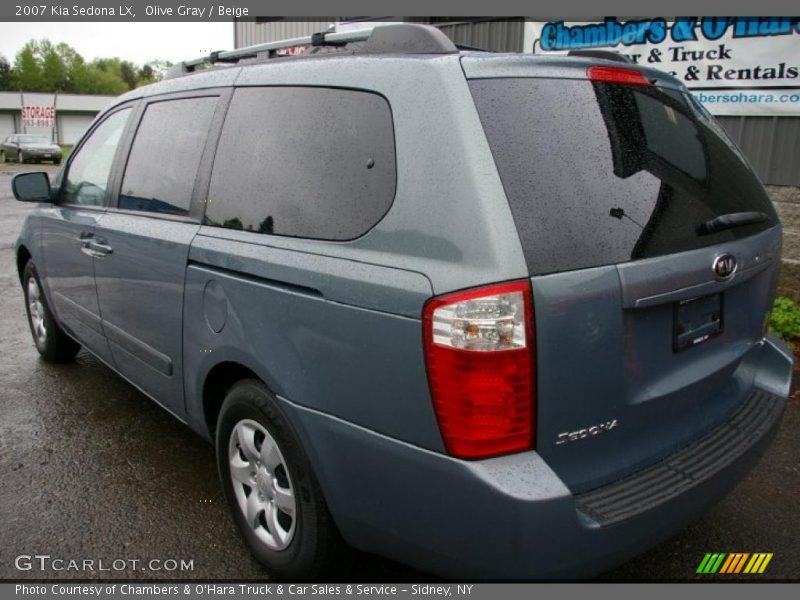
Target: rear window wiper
730, 221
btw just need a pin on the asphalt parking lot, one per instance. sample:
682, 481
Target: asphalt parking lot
92, 469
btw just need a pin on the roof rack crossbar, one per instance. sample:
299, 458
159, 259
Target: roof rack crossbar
406, 38
317, 39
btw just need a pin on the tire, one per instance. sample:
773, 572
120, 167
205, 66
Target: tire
252, 433
57, 161
52, 343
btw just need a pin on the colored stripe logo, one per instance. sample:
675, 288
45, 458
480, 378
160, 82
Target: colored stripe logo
734, 562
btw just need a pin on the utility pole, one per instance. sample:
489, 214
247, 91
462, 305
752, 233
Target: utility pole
54, 130
21, 107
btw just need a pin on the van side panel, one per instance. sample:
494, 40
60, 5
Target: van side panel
310, 328
339, 306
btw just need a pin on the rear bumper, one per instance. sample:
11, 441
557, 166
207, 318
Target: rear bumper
678, 473
512, 517
46, 154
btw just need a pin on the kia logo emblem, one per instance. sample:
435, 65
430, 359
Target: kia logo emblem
724, 266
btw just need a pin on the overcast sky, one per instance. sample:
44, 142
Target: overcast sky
137, 42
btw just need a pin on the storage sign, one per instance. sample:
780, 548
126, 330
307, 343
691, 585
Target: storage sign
35, 115
733, 65
292, 50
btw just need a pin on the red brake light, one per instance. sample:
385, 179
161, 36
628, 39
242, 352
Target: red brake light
616, 75
479, 351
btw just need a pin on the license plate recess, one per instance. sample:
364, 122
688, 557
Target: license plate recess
696, 320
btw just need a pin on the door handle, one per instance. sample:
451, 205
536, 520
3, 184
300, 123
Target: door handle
99, 247
84, 238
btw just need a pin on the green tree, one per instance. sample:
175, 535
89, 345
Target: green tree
94, 79
54, 70
128, 73
145, 75
267, 225
42, 66
234, 223
5, 74
27, 72
73, 62
157, 69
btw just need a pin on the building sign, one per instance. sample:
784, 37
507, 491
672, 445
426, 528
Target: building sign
36, 115
733, 65
292, 50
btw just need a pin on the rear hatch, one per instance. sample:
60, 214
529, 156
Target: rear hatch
648, 322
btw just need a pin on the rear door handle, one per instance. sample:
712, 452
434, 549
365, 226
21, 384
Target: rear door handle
99, 247
85, 238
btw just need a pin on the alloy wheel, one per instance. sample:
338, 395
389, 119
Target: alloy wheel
262, 484
36, 311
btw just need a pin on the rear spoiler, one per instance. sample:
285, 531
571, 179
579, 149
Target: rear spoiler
604, 54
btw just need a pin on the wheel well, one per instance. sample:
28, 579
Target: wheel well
23, 256
220, 379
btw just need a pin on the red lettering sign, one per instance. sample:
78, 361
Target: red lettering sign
36, 115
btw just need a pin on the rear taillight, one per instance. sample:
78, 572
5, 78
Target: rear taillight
617, 75
479, 350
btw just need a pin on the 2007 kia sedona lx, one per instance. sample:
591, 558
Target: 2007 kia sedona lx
490, 315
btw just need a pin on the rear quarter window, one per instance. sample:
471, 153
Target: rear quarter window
303, 162
599, 173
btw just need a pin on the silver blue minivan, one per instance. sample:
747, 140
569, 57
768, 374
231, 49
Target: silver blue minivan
490, 315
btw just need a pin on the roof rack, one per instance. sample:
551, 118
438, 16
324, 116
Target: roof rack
402, 38
472, 48
599, 53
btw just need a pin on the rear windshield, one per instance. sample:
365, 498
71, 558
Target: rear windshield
599, 173
33, 139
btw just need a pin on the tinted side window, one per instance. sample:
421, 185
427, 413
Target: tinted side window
304, 162
87, 179
165, 156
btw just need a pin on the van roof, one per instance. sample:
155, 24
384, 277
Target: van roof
397, 42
